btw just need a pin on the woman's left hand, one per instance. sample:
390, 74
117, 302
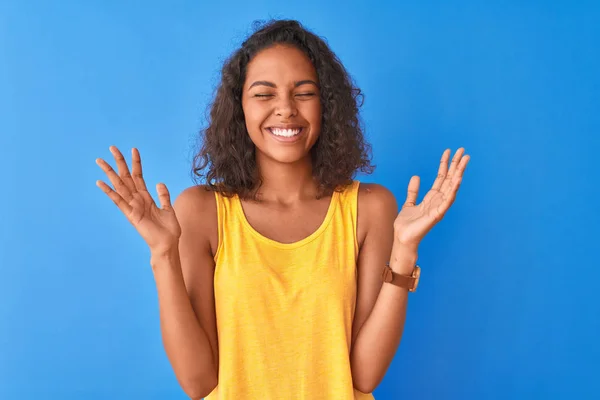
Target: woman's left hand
415, 221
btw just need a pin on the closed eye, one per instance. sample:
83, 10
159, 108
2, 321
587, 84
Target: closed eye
299, 95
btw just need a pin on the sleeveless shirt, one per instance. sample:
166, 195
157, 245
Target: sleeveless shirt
285, 310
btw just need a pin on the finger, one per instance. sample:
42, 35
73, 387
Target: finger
456, 177
115, 179
456, 160
122, 168
446, 184
136, 171
164, 198
115, 197
442, 170
412, 192
449, 200
460, 170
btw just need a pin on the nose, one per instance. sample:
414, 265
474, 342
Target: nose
285, 107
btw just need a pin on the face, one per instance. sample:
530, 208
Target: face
281, 103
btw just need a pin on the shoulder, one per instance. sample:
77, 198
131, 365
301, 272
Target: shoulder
376, 200
196, 211
193, 194
195, 202
377, 209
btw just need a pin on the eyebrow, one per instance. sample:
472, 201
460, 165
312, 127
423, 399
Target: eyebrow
271, 84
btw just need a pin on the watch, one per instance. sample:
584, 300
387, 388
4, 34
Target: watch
409, 282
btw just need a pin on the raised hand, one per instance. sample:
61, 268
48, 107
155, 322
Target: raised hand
158, 226
415, 221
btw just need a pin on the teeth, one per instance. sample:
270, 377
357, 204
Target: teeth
285, 132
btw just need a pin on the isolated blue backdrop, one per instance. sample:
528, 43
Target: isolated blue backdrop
508, 306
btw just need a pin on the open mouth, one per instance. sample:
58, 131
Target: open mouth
287, 134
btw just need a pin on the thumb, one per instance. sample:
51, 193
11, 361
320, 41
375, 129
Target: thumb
413, 191
164, 198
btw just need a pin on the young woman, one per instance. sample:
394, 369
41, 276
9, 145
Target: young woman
282, 277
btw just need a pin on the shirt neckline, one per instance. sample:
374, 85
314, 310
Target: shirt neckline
328, 216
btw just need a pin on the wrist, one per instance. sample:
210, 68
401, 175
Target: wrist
166, 256
403, 258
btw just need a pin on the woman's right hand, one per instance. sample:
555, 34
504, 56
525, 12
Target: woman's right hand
158, 226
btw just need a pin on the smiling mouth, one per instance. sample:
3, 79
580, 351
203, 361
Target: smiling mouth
286, 133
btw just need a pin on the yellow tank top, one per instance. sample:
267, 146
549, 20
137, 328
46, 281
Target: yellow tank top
284, 310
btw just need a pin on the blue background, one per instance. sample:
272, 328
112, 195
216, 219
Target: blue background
508, 305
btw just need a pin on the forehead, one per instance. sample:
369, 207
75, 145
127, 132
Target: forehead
280, 63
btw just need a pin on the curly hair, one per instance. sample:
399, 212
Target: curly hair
227, 153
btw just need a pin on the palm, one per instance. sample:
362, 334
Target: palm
157, 226
151, 221
414, 221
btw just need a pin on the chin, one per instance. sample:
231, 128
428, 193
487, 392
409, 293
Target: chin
277, 154
287, 157
285, 153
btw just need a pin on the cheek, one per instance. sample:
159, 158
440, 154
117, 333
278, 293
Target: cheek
313, 114
254, 116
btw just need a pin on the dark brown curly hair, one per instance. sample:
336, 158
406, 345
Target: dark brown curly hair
227, 153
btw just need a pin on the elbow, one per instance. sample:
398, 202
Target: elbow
199, 388
364, 384
364, 379
364, 387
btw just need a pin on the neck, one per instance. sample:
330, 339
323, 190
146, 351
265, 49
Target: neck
286, 183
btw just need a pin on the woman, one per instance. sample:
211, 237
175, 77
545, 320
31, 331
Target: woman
282, 277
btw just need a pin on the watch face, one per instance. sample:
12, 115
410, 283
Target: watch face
416, 274
387, 274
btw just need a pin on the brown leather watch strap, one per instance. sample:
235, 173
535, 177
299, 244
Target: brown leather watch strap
404, 281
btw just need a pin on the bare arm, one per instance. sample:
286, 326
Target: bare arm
381, 310
184, 280
182, 264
